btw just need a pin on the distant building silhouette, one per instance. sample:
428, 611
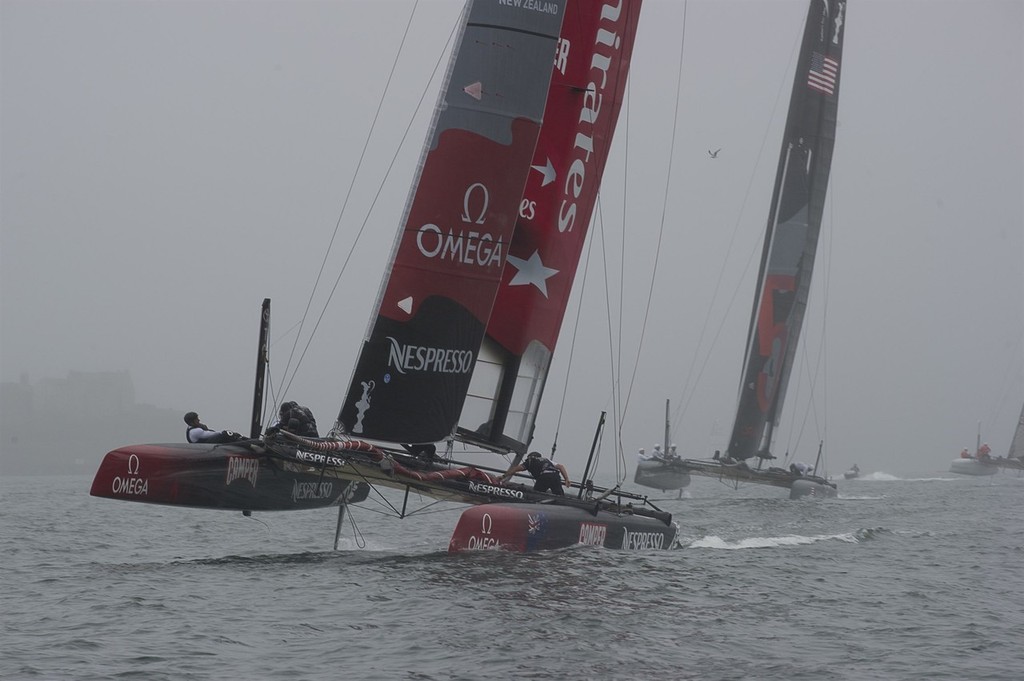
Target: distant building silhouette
64, 426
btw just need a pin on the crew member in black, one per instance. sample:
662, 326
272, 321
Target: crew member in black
296, 419
548, 475
197, 431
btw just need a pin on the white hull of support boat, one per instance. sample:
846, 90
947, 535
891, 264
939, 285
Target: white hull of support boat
809, 488
972, 467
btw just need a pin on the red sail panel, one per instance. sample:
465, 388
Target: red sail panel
791, 238
591, 66
411, 378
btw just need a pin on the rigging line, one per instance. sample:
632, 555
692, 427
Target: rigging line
271, 396
833, 228
611, 334
794, 432
348, 194
661, 226
1003, 395
684, 401
355, 175
430, 510
575, 331
804, 368
376, 196
599, 226
586, 265
821, 363
622, 248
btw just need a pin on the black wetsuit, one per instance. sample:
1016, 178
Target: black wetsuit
546, 474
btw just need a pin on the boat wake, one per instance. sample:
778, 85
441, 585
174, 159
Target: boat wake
878, 476
715, 542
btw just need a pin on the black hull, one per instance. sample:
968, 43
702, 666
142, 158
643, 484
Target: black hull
530, 527
663, 475
234, 477
798, 485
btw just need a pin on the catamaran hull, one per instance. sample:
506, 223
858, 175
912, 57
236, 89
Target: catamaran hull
661, 475
809, 488
540, 527
234, 477
799, 487
972, 467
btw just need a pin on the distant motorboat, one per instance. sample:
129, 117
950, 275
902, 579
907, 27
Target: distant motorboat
852, 473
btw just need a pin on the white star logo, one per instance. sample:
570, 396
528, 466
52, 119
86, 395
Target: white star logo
531, 271
547, 172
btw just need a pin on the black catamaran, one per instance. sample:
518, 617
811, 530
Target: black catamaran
470, 307
787, 261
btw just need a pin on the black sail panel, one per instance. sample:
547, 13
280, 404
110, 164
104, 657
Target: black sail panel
794, 223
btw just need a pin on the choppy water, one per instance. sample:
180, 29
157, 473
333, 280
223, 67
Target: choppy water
896, 579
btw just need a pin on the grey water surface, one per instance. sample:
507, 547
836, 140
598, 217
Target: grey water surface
896, 579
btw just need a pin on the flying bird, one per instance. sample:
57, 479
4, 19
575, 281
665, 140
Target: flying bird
714, 154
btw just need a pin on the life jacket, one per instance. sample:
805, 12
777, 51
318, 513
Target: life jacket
538, 466
188, 431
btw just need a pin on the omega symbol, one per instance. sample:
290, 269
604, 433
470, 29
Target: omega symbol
133, 465
486, 523
466, 201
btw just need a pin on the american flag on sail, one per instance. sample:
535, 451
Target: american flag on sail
822, 76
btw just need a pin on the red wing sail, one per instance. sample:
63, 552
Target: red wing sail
412, 375
794, 223
591, 65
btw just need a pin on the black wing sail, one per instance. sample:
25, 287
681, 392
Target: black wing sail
794, 223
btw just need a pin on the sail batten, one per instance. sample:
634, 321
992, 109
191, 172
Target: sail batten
791, 237
415, 364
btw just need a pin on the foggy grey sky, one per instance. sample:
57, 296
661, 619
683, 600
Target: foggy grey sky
167, 165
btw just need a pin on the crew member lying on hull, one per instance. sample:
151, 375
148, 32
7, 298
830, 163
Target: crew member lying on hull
197, 431
547, 474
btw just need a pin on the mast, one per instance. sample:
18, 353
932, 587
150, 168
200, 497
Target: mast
791, 235
667, 434
262, 358
585, 482
590, 71
414, 369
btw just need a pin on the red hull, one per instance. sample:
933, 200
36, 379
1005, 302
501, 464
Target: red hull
539, 527
228, 477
